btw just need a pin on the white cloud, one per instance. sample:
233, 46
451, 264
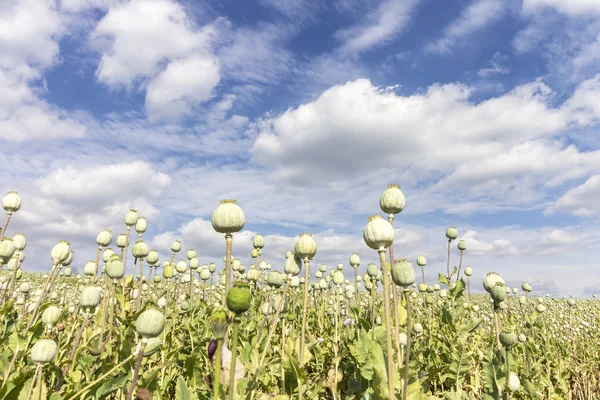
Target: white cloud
569, 7
182, 84
581, 200
379, 26
494, 66
154, 42
29, 34
477, 15
497, 247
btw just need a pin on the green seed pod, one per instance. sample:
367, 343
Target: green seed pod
451, 233
238, 297
152, 257
290, 317
90, 297
462, 245
60, 252
228, 217
540, 308
154, 344
292, 265
306, 247
140, 249
104, 238
571, 302
498, 293
141, 225
51, 315
115, 268
522, 338
490, 280
131, 217
11, 202
392, 200
338, 278
150, 323
323, 268
44, 351
430, 289
422, 287
378, 233
275, 279
403, 273
372, 270
354, 260
508, 339
526, 287
468, 271
429, 299
168, 271
156, 279
418, 328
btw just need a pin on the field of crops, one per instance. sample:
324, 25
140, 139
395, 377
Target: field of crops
133, 326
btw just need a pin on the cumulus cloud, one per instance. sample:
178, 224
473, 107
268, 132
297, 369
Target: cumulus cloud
155, 44
355, 129
580, 200
30, 31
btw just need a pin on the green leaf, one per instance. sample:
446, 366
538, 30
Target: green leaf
111, 386
443, 279
470, 327
182, 392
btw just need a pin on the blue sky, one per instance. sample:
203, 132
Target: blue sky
485, 111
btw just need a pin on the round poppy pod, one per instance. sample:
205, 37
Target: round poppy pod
150, 324
51, 315
468, 271
152, 257
294, 282
228, 217
490, 281
154, 344
306, 247
20, 242
131, 217
107, 254
44, 351
508, 339
451, 233
421, 261
90, 268
354, 260
422, 287
115, 268
253, 274
571, 302
60, 252
462, 245
7, 250
176, 246
403, 273
212, 267
275, 279
338, 277
258, 242
372, 270
378, 233
122, 241
498, 293
90, 297
238, 297
25, 287
104, 238
168, 271
292, 265
526, 287
191, 253
11, 202
140, 249
141, 225
181, 266
392, 200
